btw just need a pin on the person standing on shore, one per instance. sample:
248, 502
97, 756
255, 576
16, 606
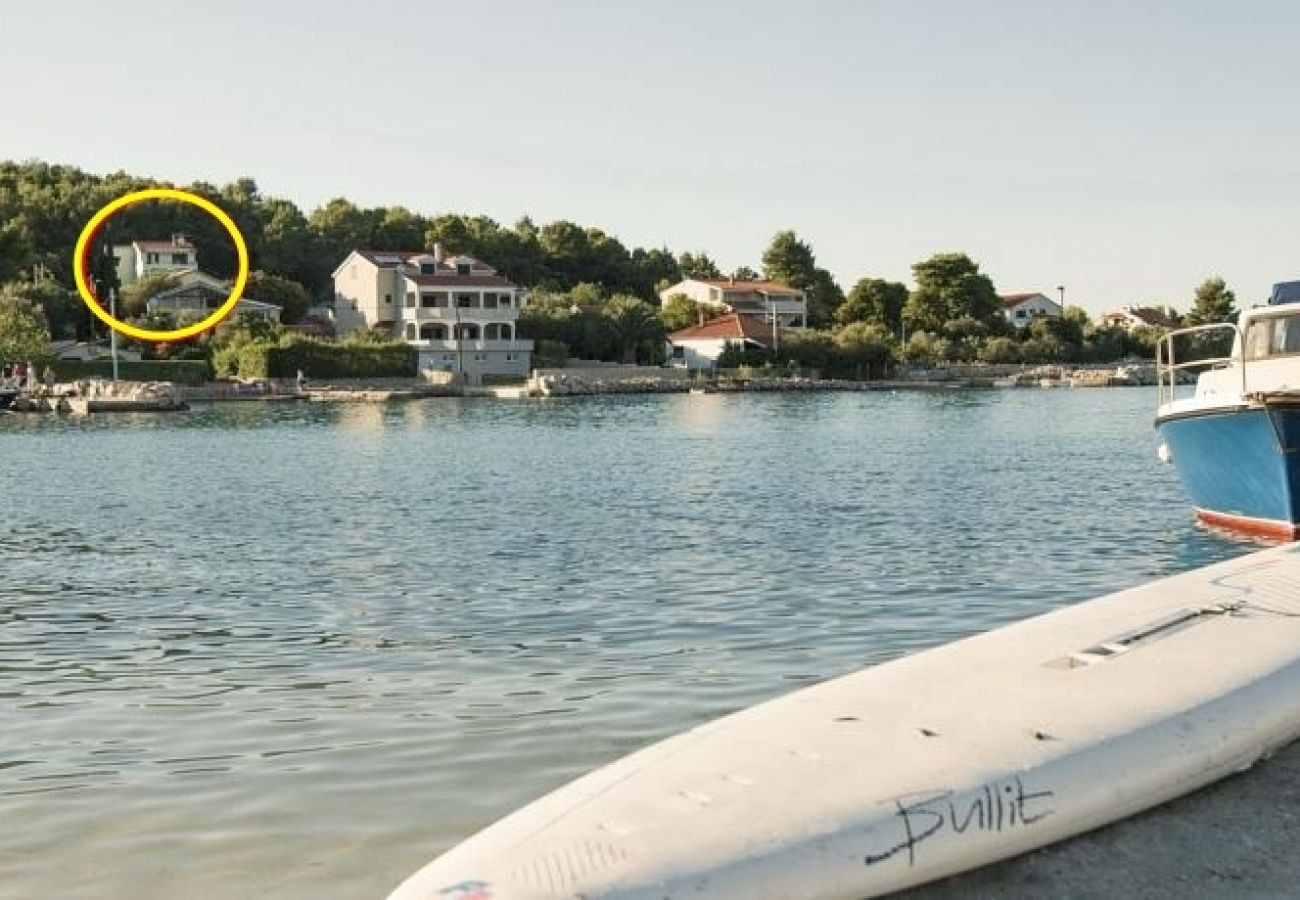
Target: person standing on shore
48, 377
301, 381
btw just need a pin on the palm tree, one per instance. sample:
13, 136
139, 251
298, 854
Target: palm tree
633, 325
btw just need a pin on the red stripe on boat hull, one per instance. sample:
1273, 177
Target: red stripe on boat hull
1266, 528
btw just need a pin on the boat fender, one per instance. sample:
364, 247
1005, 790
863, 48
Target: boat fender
1163, 454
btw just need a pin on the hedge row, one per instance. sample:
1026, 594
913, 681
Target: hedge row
181, 371
320, 360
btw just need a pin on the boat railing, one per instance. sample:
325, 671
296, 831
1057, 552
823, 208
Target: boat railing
1168, 368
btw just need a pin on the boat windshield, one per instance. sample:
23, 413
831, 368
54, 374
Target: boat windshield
1273, 336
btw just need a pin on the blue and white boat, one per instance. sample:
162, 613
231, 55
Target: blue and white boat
1236, 441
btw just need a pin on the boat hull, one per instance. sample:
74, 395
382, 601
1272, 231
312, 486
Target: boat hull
928, 765
1240, 466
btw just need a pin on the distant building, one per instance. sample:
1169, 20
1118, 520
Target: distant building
698, 348
764, 298
1021, 309
1135, 316
197, 296
140, 258
456, 310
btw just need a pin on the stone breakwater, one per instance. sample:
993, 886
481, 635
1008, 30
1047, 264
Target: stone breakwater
562, 383
96, 395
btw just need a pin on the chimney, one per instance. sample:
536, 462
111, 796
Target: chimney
178, 239
437, 253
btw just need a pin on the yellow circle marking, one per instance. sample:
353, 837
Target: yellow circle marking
146, 334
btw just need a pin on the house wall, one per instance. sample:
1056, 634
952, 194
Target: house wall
698, 355
1026, 311
125, 255
477, 363
355, 290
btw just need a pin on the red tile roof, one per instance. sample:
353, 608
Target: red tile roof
453, 280
749, 287
481, 274
756, 329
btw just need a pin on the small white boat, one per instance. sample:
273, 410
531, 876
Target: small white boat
927, 766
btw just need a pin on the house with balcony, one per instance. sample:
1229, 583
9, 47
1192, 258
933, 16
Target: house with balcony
140, 258
770, 299
457, 311
1021, 309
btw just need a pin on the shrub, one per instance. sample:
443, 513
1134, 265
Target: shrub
318, 359
181, 371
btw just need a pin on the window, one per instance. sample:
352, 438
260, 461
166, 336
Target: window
151, 258
480, 357
489, 301
388, 298
463, 301
506, 300
1020, 314
428, 268
180, 259
433, 300
410, 298
410, 331
1273, 336
449, 358
512, 357
462, 269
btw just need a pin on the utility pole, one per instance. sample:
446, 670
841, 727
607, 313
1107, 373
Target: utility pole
112, 332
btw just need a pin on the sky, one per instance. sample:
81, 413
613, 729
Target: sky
1125, 150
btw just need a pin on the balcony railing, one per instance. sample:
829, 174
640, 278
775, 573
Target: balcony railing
463, 313
522, 345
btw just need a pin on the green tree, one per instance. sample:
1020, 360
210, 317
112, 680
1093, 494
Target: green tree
745, 273
1213, 303
949, 286
24, 333
865, 348
927, 348
1000, 349
134, 298
289, 295
680, 311
637, 333
788, 260
66, 316
874, 300
698, 265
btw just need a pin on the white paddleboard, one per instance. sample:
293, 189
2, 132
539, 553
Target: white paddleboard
926, 766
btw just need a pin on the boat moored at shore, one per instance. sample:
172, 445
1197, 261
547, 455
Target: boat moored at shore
1236, 441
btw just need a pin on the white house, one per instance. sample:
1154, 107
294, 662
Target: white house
456, 310
768, 298
1021, 309
140, 258
697, 348
197, 295
1135, 316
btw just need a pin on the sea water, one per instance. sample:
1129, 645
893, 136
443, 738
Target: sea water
296, 650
